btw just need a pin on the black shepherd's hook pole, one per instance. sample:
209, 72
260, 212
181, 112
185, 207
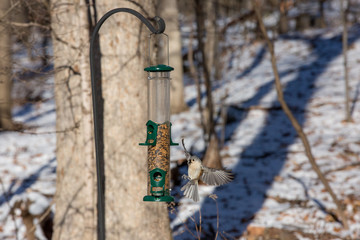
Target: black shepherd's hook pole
100, 185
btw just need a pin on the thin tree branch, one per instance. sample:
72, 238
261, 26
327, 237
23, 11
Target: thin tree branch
351, 165
346, 71
29, 24
49, 132
43, 216
10, 209
293, 120
9, 10
141, 7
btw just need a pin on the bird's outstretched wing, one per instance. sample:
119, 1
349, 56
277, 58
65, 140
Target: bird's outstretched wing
215, 177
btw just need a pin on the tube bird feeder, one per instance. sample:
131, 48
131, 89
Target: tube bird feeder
158, 138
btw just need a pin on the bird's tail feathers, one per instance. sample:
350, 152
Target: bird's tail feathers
191, 190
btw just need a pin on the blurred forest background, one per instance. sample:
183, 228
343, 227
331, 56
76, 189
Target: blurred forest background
239, 66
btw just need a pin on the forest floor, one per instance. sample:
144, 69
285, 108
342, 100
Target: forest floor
275, 193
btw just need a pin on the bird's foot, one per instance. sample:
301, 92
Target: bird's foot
184, 176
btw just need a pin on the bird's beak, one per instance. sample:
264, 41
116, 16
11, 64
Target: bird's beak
188, 161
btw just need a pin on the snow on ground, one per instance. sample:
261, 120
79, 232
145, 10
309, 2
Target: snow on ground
27, 159
27, 166
274, 185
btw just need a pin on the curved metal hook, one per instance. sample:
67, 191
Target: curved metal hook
159, 21
160, 24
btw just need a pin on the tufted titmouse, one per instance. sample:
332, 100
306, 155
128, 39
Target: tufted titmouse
196, 172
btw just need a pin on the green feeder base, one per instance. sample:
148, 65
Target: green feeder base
150, 198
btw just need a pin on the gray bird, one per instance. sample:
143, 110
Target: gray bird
196, 172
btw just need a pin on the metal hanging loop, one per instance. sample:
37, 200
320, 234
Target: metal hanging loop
167, 47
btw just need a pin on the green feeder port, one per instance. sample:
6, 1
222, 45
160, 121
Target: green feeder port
158, 137
158, 192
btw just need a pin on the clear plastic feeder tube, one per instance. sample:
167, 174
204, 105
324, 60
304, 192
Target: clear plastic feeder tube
158, 137
159, 97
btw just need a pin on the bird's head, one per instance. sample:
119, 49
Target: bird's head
193, 159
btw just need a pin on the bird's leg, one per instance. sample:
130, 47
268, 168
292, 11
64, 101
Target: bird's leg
184, 176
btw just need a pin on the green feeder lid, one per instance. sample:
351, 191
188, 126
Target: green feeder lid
159, 68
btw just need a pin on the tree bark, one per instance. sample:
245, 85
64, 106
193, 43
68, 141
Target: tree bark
75, 197
293, 120
123, 89
5, 70
212, 156
168, 10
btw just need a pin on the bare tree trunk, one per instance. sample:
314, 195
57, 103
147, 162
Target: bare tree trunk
210, 160
168, 10
123, 90
212, 39
283, 21
194, 75
346, 70
75, 197
293, 120
5, 69
322, 13
200, 24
